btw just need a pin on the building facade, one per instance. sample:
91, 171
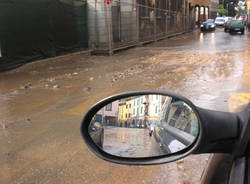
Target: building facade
109, 114
214, 4
248, 10
201, 10
119, 24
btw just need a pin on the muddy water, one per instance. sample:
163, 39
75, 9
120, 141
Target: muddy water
42, 105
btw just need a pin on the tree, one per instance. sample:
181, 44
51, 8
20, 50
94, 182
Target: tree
222, 11
227, 7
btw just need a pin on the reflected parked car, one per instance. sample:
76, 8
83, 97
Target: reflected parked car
176, 128
208, 25
96, 132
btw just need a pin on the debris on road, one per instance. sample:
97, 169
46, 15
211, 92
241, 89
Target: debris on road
180, 167
51, 79
4, 125
28, 120
87, 89
56, 86
26, 86
127, 73
181, 161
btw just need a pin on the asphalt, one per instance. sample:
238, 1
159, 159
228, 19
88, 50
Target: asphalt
42, 105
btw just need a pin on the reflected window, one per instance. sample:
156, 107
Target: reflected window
177, 113
109, 107
156, 109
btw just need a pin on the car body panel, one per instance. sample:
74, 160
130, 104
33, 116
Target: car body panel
236, 26
96, 132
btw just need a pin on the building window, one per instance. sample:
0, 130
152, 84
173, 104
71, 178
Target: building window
138, 101
156, 97
126, 106
129, 115
156, 109
109, 107
133, 111
141, 110
129, 105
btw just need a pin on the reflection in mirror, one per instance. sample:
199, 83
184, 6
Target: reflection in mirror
144, 126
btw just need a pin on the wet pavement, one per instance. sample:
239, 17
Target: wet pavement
42, 105
130, 142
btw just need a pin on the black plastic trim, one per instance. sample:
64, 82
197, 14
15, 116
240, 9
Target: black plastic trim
220, 131
137, 161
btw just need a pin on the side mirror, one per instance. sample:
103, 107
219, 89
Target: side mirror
144, 127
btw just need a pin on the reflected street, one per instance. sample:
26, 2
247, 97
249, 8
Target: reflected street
170, 123
130, 142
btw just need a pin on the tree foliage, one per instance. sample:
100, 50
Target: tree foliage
227, 7
222, 11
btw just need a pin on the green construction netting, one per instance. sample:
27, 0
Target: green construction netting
36, 29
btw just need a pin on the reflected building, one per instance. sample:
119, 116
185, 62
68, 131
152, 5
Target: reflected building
124, 113
138, 111
108, 115
147, 108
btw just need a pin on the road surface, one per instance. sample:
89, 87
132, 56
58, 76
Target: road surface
42, 105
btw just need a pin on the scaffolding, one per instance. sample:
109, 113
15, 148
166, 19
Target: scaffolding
126, 23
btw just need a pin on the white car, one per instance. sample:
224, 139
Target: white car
227, 18
219, 21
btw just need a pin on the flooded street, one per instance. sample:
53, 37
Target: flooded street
130, 142
43, 103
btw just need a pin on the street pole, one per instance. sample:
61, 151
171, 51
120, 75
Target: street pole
227, 9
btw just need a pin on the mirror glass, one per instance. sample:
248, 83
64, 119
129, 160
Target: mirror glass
144, 126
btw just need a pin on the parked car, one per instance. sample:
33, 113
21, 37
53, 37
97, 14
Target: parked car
228, 18
219, 21
226, 25
96, 132
237, 26
208, 25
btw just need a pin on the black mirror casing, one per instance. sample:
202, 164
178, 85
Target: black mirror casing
137, 161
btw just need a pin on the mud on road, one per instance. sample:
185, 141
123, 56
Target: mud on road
42, 105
